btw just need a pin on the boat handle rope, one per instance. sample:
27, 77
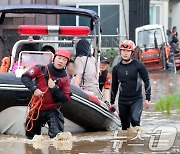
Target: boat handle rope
34, 105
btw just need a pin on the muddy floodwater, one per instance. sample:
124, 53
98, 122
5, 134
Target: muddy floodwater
158, 134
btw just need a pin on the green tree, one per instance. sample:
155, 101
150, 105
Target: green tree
110, 54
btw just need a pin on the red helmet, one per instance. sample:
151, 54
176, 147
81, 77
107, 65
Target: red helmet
63, 52
127, 45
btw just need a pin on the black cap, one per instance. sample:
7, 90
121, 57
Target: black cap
103, 59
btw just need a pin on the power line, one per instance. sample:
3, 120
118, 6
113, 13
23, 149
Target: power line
109, 17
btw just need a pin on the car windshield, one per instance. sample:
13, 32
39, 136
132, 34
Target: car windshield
146, 38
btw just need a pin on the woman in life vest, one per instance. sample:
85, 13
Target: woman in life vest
5, 64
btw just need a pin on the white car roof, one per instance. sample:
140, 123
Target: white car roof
147, 27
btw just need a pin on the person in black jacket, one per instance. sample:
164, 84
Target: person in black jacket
55, 89
104, 78
127, 76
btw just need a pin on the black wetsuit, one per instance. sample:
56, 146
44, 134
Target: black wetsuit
127, 77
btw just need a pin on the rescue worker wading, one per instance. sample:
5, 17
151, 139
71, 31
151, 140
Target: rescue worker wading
58, 93
127, 76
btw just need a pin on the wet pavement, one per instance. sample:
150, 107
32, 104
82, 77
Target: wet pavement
158, 134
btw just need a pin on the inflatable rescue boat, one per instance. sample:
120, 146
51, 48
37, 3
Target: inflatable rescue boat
84, 109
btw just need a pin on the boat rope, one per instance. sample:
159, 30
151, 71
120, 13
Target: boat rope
34, 106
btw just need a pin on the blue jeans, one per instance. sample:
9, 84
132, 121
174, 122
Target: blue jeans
173, 47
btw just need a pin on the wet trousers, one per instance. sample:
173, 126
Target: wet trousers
130, 113
54, 119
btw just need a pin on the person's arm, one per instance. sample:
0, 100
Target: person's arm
79, 67
28, 76
114, 86
145, 77
77, 80
106, 95
60, 94
66, 88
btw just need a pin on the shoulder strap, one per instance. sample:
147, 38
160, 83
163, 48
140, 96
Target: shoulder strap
84, 71
49, 76
45, 71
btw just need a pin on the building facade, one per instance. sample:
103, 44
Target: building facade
111, 15
119, 18
122, 17
165, 12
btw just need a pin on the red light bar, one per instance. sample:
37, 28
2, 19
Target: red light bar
74, 30
58, 30
36, 30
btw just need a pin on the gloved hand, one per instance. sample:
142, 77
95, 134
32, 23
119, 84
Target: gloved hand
38, 92
107, 102
113, 107
51, 83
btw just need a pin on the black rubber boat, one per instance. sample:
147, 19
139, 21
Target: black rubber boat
83, 109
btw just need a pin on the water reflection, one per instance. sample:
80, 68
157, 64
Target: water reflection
29, 149
102, 142
48, 149
40, 145
163, 84
98, 142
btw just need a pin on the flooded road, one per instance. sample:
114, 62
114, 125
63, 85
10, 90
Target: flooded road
159, 133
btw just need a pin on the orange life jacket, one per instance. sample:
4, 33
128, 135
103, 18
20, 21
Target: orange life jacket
5, 64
